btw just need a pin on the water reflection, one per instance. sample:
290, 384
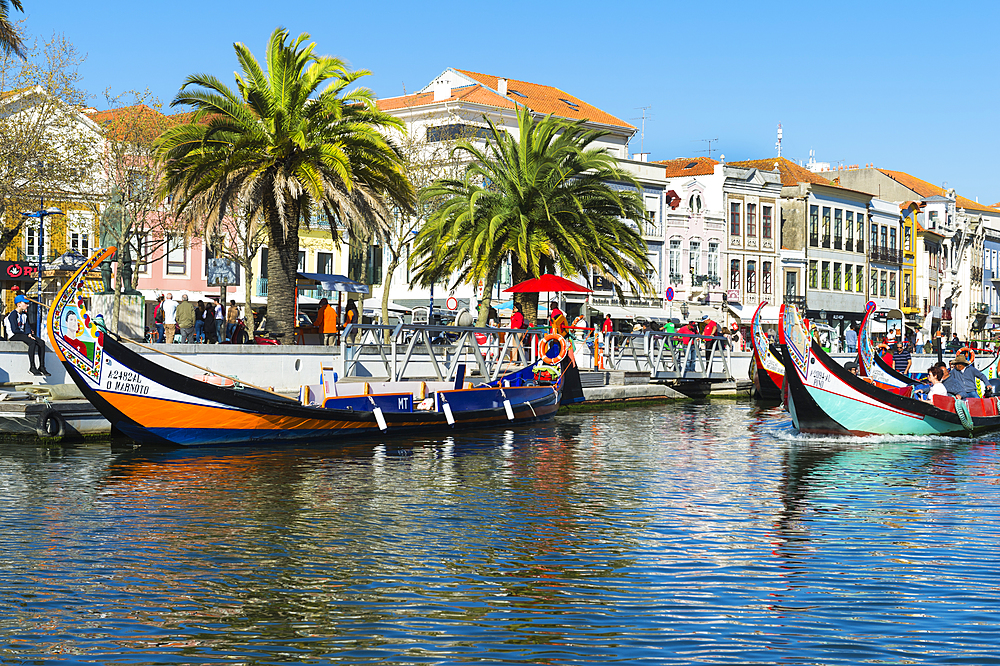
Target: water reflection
690, 533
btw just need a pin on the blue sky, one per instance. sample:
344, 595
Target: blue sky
907, 86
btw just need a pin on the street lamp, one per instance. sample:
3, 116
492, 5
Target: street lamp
41, 213
685, 310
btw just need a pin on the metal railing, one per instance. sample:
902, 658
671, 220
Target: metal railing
408, 351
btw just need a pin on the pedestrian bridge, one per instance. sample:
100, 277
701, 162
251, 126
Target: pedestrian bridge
406, 350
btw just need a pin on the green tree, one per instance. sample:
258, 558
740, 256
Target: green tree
544, 200
10, 38
280, 148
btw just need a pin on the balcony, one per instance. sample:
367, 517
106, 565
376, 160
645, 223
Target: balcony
976, 273
945, 314
799, 301
885, 255
711, 280
980, 309
676, 278
912, 302
262, 287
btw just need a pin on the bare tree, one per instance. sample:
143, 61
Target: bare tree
133, 216
239, 238
47, 145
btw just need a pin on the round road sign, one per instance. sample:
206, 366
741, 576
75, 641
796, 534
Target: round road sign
452, 303
670, 293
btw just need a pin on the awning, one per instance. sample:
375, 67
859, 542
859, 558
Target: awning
330, 282
768, 315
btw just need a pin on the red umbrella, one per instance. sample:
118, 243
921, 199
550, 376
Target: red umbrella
547, 282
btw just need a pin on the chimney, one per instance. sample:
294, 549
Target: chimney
442, 90
502, 86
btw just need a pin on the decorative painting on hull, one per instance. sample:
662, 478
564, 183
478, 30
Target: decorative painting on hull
795, 338
76, 334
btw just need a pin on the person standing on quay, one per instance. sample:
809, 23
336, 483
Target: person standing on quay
232, 318
220, 319
851, 339
169, 318
211, 332
326, 322
158, 319
185, 320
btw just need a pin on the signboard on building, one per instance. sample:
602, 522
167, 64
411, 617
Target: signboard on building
222, 272
18, 270
733, 295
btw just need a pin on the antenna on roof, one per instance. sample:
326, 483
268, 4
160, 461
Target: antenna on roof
709, 151
642, 132
778, 145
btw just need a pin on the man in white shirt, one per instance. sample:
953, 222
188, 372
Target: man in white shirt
169, 318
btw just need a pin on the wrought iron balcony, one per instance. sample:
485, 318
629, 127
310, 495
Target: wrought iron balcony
699, 280
886, 255
976, 273
980, 308
911, 302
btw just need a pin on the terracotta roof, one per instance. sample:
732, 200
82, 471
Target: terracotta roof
791, 173
136, 118
925, 189
688, 166
996, 205
538, 98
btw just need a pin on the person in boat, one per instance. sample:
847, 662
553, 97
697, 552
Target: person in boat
936, 375
967, 374
20, 328
851, 367
902, 359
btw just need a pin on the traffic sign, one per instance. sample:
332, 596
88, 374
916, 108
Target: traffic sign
452, 303
670, 293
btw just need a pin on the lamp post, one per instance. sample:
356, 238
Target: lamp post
41, 213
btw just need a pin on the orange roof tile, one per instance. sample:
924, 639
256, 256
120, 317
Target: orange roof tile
129, 119
538, 98
925, 189
791, 173
546, 99
688, 166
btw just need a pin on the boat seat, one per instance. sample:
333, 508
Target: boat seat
982, 406
905, 391
946, 403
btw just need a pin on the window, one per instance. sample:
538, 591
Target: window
765, 277
826, 226
849, 225
874, 285
907, 289
694, 203
826, 275
861, 234
874, 238
884, 283
302, 260
734, 274
675, 259
907, 240
814, 225
836, 276
31, 243
176, 255
838, 229
892, 285
140, 253
751, 221
751, 276
885, 234
79, 242
813, 275
324, 263
892, 238
713, 260
734, 219
694, 259
791, 283
765, 221
848, 277
859, 280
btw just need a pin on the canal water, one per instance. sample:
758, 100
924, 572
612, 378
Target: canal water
679, 534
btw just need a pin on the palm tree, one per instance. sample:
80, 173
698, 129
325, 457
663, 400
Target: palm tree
280, 148
542, 199
10, 40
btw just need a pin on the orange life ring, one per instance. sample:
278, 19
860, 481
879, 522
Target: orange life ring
969, 352
543, 347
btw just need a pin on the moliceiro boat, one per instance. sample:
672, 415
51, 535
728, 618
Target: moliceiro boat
824, 398
768, 371
155, 405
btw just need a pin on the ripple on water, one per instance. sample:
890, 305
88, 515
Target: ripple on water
695, 533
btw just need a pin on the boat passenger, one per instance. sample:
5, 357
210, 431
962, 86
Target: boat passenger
851, 367
936, 377
967, 375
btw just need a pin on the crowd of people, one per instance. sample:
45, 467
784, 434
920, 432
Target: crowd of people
187, 322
